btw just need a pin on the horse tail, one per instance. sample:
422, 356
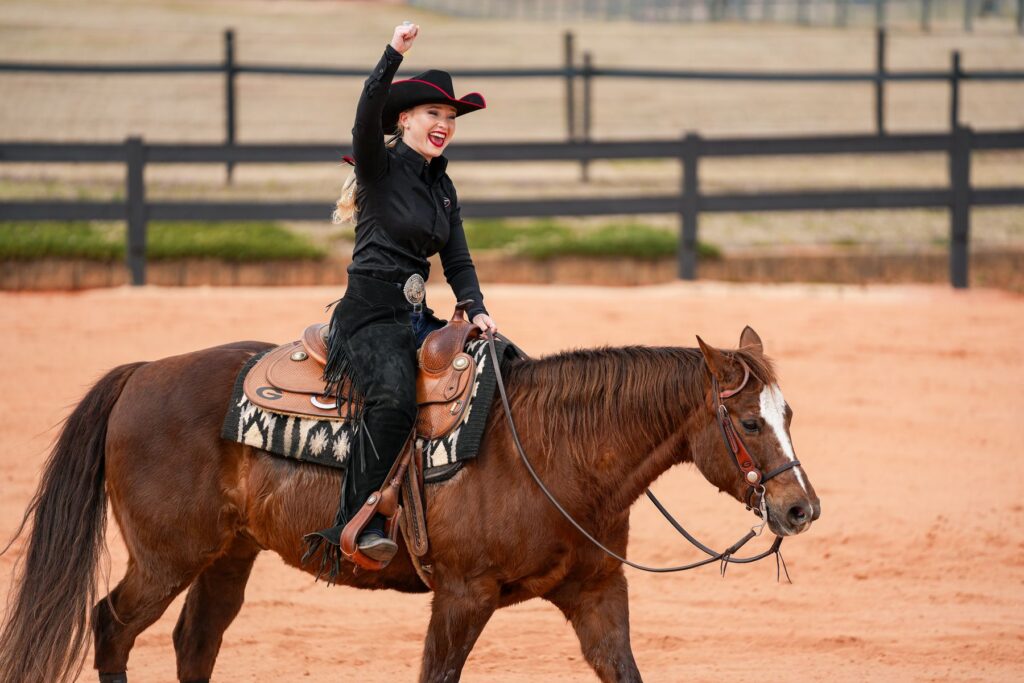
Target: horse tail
44, 635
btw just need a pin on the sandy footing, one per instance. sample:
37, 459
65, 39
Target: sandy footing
908, 406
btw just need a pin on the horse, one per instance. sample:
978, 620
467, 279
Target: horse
195, 510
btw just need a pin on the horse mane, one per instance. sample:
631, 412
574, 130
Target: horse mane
607, 390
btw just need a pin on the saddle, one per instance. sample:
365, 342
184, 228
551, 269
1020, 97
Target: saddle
289, 378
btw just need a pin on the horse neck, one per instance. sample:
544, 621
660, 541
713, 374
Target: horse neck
612, 420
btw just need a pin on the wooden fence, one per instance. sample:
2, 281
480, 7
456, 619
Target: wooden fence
958, 196
571, 70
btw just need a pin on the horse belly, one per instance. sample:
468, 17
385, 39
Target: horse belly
288, 499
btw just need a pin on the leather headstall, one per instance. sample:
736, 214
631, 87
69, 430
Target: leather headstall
752, 475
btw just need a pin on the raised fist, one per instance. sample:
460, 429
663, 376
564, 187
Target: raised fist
404, 35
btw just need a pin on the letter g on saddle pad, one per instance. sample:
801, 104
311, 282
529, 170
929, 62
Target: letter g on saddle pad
277, 406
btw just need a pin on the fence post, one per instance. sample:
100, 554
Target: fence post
960, 209
588, 109
954, 92
802, 12
841, 13
570, 88
688, 207
880, 81
230, 71
135, 198
926, 15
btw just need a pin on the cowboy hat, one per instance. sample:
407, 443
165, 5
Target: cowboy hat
430, 87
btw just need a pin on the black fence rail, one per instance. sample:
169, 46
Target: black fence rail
958, 196
579, 115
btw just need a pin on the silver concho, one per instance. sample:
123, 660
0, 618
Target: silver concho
414, 290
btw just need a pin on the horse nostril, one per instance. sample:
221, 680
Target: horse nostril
797, 515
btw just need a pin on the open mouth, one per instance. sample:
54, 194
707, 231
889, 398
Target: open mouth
437, 139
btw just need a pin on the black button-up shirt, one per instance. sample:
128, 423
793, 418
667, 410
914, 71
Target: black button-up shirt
407, 206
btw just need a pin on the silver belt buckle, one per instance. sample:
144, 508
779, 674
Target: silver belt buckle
414, 291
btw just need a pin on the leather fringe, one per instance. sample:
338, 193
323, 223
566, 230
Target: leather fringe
327, 542
338, 367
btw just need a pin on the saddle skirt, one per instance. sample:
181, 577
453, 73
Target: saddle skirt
289, 379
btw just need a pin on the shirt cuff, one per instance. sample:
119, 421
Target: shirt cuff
392, 55
388, 65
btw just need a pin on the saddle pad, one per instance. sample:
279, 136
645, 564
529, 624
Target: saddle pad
329, 441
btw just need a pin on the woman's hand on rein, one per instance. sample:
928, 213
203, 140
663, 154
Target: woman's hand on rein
404, 35
485, 323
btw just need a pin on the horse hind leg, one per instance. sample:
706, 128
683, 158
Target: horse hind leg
137, 601
213, 602
599, 613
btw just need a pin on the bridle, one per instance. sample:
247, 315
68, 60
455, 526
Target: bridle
736, 447
734, 444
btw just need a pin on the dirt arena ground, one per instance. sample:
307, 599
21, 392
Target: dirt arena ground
907, 413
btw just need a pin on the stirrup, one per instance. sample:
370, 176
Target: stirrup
385, 502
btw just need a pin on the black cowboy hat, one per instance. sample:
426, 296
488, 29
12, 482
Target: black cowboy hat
430, 87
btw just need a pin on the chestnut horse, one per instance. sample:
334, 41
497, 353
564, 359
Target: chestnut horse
599, 426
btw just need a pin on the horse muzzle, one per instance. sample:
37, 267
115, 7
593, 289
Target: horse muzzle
790, 518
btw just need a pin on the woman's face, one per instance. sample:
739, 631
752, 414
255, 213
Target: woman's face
428, 128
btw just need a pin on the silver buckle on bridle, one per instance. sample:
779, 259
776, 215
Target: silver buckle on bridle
414, 291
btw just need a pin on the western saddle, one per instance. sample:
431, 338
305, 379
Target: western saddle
289, 380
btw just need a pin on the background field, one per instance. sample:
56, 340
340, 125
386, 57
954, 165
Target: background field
189, 108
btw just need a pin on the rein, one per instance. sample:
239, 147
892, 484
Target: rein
739, 454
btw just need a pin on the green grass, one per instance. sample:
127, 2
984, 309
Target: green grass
546, 239
239, 242
31, 241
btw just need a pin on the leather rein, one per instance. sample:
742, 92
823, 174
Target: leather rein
734, 443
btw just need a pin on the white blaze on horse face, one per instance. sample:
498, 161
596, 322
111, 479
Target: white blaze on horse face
773, 410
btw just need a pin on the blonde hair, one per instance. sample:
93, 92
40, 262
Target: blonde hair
345, 209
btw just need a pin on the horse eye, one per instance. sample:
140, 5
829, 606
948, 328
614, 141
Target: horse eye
751, 426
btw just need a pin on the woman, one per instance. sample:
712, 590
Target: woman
406, 210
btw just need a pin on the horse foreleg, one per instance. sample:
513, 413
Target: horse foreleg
599, 613
212, 604
458, 616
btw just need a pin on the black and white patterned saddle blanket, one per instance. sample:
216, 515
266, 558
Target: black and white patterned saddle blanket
330, 442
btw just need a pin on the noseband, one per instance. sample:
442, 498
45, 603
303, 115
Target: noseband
752, 475
726, 557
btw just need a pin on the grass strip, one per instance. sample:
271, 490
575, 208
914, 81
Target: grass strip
237, 242
546, 239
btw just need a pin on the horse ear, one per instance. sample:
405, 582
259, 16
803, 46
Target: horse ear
715, 359
749, 340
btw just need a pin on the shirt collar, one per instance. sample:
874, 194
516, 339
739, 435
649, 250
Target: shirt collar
427, 170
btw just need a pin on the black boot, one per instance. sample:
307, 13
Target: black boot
374, 543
